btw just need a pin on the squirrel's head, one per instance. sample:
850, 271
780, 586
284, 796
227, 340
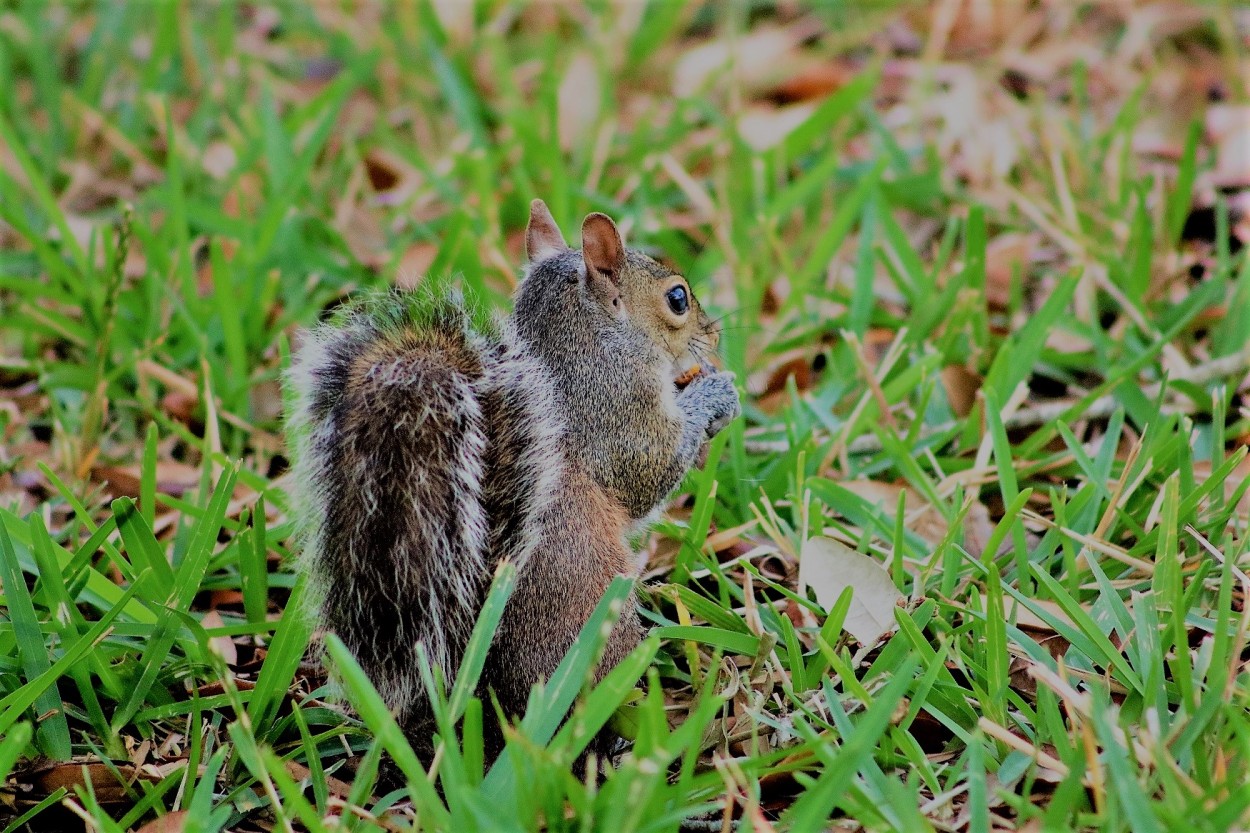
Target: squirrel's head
629, 288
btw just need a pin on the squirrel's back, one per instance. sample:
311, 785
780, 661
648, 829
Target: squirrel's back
426, 450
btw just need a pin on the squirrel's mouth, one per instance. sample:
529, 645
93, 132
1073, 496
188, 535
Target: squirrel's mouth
684, 378
688, 368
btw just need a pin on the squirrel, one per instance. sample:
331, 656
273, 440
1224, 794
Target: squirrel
430, 445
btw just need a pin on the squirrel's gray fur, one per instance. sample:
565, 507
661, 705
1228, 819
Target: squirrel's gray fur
429, 447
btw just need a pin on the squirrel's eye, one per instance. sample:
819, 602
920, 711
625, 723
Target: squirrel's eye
678, 300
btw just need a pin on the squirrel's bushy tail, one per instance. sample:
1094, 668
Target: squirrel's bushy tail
390, 442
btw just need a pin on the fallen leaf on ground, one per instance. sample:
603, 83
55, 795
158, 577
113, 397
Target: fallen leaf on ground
336, 786
172, 478
456, 18
223, 646
764, 127
829, 567
77, 774
961, 386
1202, 471
174, 822
1228, 128
1005, 256
977, 529
921, 518
802, 366
414, 263
754, 60
578, 101
219, 159
814, 81
392, 178
1027, 619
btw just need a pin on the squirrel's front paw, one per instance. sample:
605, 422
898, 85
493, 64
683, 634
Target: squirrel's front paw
715, 398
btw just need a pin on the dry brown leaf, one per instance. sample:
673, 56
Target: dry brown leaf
217, 687
89, 190
414, 263
222, 646
174, 822
1027, 619
266, 400
244, 196
77, 774
139, 754
800, 367
136, 265
336, 786
1202, 471
829, 567
172, 478
981, 135
771, 384
814, 81
170, 748
223, 596
921, 518
80, 228
971, 28
390, 176
363, 232
1005, 256
775, 294
382, 173
961, 387
1241, 230
180, 405
1064, 341
876, 343
1223, 121
977, 529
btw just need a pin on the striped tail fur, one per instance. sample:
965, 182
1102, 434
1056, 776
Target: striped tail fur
389, 448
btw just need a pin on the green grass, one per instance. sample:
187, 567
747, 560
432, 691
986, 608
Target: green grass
183, 187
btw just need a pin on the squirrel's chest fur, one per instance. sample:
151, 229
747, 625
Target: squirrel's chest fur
547, 513
543, 505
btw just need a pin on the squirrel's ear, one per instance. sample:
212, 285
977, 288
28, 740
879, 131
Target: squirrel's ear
542, 235
602, 248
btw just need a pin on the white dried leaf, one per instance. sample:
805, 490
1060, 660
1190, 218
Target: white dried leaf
219, 159
578, 99
829, 567
222, 646
1232, 160
766, 127
753, 60
456, 18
